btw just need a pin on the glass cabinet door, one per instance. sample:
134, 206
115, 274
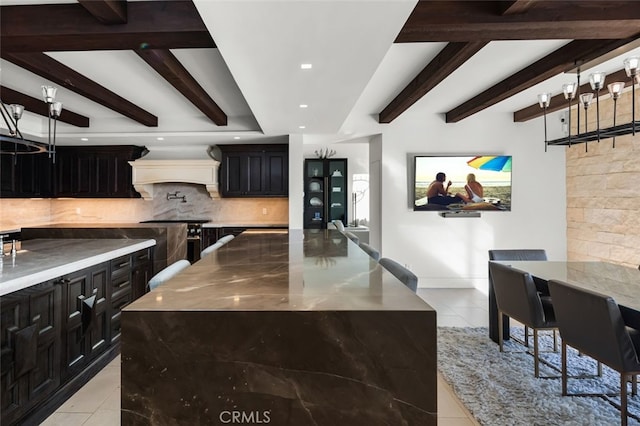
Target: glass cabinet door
337, 191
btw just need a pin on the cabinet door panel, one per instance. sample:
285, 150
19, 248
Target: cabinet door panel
97, 333
277, 173
255, 174
75, 287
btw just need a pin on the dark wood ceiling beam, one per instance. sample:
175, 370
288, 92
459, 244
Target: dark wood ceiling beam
459, 21
168, 66
514, 7
68, 27
446, 61
108, 12
37, 106
558, 102
561, 60
49, 68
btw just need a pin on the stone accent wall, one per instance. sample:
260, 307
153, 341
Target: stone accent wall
603, 190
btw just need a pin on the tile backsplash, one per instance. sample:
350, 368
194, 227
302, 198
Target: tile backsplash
16, 213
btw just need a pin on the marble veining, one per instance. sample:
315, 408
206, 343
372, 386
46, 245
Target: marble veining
42, 260
284, 328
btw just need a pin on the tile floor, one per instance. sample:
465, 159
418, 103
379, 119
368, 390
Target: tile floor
98, 402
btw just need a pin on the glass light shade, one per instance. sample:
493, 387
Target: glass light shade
631, 66
55, 109
544, 99
615, 89
569, 90
585, 99
597, 80
17, 110
49, 93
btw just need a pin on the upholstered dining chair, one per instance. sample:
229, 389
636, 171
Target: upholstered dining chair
167, 273
339, 225
407, 277
373, 253
225, 239
592, 324
509, 254
518, 298
213, 247
352, 237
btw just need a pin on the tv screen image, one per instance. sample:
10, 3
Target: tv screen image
491, 172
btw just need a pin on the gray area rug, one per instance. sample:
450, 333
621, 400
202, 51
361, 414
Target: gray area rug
500, 388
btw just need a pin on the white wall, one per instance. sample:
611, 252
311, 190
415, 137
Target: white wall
452, 252
296, 187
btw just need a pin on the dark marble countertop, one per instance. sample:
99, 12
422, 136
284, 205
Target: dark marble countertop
287, 271
45, 259
227, 224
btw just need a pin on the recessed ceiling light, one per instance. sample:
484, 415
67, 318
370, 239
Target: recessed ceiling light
306, 66
302, 127
303, 105
84, 139
160, 139
236, 137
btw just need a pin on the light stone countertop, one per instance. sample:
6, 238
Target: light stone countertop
41, 260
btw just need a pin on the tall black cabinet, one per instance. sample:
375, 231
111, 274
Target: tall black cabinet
325, 192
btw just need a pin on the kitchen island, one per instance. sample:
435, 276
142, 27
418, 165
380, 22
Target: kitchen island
171, 238
60, 317
287, 328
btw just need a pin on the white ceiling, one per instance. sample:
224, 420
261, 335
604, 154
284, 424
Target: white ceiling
254, 75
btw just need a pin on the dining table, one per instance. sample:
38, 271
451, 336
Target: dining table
620, 282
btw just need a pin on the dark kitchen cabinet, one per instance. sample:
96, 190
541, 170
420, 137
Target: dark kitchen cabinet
30, 348
25, 176
85, 314
254, 170
95, 171
54, 332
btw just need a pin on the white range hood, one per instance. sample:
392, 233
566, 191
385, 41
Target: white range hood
175, 165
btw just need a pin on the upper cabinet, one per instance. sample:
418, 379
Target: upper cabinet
254, 170
79, 171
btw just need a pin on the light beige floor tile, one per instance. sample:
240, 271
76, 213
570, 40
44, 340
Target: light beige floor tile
66, 419
452, 321
112, 402
455, 421
476, 317
448, 404
104, 418
94, 393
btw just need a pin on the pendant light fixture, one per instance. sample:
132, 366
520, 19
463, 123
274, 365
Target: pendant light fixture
615, 89
569, 91
544, 99
585, 101
597, 82
631, 68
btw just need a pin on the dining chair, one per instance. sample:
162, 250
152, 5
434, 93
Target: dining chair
352, 237
339, 225
373, 253
509, 254
213, 247
407, 277
518, 298
226, 239
592, 323
167, 273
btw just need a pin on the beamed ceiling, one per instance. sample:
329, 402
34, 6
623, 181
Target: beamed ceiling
208, 72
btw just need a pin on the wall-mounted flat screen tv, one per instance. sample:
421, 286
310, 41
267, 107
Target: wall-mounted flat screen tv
471, 182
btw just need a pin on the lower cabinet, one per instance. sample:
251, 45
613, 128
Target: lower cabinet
211, 235
53, 331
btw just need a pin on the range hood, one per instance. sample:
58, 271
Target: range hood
176, 165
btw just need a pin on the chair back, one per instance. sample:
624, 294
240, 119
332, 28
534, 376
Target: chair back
213, 247
352, 237
517, 296
339, 225
407, 277
226, 239
375, 254
518, 254
592, 323
167, 273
